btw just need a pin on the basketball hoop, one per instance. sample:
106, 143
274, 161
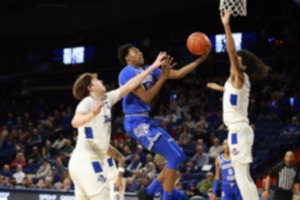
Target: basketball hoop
237, 7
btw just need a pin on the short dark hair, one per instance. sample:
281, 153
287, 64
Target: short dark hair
123, 52
255, 66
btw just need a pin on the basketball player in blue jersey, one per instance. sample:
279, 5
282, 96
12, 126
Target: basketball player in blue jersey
224, 170
137, 122
235, 109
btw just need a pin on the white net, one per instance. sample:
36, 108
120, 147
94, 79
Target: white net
237, 7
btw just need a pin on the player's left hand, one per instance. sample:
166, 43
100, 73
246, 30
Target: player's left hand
167, 65
225, 17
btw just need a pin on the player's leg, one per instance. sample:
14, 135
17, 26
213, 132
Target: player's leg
245, 183
174, 156
240, 145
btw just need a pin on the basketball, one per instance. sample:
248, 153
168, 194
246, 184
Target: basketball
198, 43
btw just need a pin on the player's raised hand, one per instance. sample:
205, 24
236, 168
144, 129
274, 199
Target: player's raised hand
225, 17
167, 66
96, 108
159, 59
205, 55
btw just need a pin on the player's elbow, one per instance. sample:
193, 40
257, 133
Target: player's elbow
74, 123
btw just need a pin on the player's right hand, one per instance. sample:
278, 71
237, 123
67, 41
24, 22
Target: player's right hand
96, 108
119, 183
160, 59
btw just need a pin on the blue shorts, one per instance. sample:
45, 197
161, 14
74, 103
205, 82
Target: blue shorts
155, 139
231, 192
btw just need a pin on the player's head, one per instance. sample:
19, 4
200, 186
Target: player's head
128, 54
289, 158
251, 64
87, 83
225, 146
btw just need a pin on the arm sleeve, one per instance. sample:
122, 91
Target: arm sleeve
113, 96
125, 75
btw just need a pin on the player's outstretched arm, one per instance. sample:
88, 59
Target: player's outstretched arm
235, 71
137, 80
147, 95
215, 86
182, 72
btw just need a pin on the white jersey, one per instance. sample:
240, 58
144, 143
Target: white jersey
236, 102
98, 129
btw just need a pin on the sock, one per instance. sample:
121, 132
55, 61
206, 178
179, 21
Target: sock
152, 188
167, 195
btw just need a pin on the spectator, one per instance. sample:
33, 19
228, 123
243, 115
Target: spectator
193, 190
47, 150
216, 149
12, 182
135, 164
185, 137
30, 182
54, 175
149, 171
20, 160
60, 141
44, 169
139, 150
206, 184
19, 174
34, 156
4, 182
59, 166
34, 139
6, 171
41, 184
48, 183
201, 133
66, 151
293, 127
67, 185
200, 158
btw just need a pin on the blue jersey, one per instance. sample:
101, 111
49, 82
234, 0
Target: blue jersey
227, 171
131, 103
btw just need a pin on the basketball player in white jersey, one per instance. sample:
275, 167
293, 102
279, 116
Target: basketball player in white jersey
235, 109
93, 119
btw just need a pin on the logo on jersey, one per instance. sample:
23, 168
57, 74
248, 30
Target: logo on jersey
106, 105
142, 130
234, 151
107, 119
101, 178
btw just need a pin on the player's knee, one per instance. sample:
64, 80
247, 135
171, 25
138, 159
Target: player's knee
175, 160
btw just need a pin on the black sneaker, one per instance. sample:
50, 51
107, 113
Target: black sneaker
142, 195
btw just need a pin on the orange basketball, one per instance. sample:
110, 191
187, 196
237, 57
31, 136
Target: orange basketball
198, 43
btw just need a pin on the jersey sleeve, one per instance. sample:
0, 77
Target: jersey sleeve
113, 96
125, 75
84, 106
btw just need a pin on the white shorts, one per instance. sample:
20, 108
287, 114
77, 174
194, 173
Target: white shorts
88, 175
240, 140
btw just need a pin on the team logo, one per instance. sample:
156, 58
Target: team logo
234, 151
101, 178
107, 106
142, 130
107, 119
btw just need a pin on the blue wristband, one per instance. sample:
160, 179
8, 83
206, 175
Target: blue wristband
216, 184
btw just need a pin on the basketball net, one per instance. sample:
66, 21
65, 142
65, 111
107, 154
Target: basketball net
237, 7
